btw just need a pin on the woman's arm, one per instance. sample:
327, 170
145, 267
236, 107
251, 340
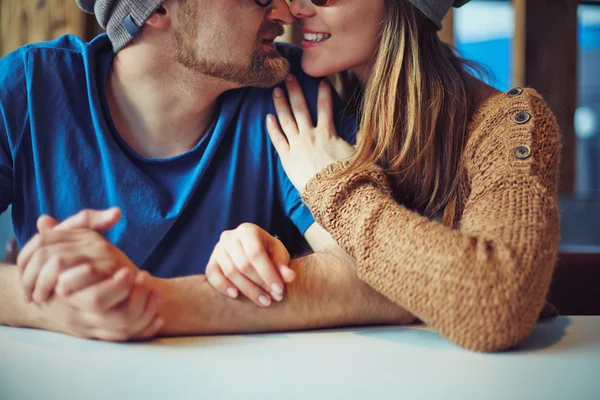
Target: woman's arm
484, 284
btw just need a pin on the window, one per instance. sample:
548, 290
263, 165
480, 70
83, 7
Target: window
587, 116
484, 32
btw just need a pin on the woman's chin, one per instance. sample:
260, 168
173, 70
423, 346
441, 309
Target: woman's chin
317, 71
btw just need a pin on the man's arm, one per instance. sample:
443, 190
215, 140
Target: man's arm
13, 310
320, 240
326, 293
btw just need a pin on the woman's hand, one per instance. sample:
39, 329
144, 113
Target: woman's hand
308, 148
251, 261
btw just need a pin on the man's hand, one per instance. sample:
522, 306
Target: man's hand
72, 252
112, 300
120, 308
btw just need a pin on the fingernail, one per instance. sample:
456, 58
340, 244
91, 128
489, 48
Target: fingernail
264, 300
270, 119
278, 92
289, 78
231, 292
277, 296
139, 279
276, 287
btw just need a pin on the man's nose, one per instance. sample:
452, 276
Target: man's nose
280, 12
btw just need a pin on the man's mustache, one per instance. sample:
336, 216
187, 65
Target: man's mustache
271, 30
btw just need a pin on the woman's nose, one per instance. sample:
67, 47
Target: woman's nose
301, 8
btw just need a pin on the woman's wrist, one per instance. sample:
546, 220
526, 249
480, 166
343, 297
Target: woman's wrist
324, 195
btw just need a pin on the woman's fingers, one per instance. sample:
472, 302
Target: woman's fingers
288, 274
280, 257
236, 252
253, 260
277, 137
248, 288
298, 103
325, 107
215, 277
284, 114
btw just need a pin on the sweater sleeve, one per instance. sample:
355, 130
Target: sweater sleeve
483, 284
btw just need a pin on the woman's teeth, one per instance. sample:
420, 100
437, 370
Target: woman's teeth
316, 37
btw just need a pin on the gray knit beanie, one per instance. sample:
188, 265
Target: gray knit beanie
436, 10
122, 19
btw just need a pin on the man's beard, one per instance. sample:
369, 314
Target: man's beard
263, 70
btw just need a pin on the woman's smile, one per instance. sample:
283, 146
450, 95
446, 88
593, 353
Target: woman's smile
313, 39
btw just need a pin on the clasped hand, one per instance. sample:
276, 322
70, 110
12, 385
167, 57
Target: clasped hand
86, 286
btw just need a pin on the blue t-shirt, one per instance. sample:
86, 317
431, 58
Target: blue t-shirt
60, 153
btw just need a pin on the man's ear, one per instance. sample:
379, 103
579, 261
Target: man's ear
161, 18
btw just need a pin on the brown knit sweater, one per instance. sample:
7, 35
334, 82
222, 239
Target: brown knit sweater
483, 284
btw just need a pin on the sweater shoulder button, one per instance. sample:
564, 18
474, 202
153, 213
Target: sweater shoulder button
522, 152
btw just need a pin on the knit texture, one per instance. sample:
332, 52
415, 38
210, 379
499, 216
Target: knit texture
111, 15
482, 284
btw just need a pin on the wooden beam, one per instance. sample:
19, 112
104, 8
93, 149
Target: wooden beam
546, 58
447, 32
2, 12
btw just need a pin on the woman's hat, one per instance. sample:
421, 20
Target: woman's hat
436, 10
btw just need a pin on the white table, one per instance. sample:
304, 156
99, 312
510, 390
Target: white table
561, 360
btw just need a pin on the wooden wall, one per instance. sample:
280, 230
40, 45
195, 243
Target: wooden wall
26, 21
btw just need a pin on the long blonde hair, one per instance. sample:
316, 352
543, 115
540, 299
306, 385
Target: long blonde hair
415, 111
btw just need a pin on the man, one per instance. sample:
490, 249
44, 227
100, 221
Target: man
161, 122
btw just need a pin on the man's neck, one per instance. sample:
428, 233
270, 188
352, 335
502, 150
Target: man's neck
160, 108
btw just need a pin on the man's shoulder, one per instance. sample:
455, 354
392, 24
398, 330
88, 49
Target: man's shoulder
40, 66
61, 49
63, 44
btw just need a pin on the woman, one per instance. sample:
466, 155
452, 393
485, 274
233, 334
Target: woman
449, 203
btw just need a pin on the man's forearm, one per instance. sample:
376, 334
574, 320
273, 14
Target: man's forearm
326, 293
13, 309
